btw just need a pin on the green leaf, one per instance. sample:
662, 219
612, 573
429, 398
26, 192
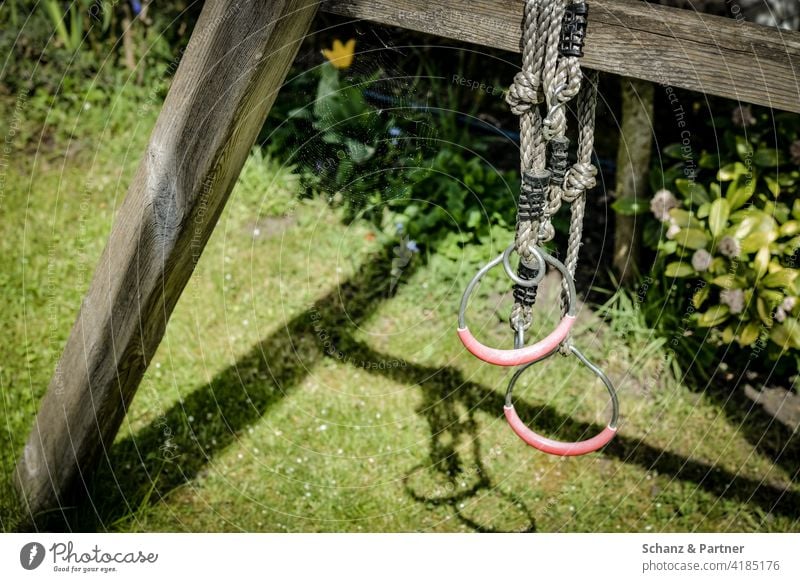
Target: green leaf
718, 265
57, 20
473, 218
718, 216
630, 206
749, 334
792, 246
750, 221
714, 316
300, 113
679, 270
728, 281
692, 238
667, 247
771, 297
761, 262
700, 296
703, 210
731, 172
791, 228
359, 152
327, 91
708, 161
684, 218
767, 158
76, 25
740, 191
757, 240
673, 151
786, 334
728, 334
773, 185
693, 191
106, 19
782, 212
763, 312
743, 148
331, 137
780, 279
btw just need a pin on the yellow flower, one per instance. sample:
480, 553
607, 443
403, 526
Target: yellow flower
341, 55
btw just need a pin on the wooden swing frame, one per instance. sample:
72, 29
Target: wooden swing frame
234, 65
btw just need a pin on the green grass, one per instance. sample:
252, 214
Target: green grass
244, 422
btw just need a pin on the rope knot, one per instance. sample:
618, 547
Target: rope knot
546, 231
521, 316
580, 178
524, 92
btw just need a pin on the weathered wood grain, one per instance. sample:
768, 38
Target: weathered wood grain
234, 64
680, 48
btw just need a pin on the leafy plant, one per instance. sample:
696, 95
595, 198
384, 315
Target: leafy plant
732, 229
407, 168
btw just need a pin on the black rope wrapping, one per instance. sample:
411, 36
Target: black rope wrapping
526, 295
532, 196
573, 30
559, 159
532, 200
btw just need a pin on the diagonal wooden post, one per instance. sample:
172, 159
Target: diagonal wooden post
235, 62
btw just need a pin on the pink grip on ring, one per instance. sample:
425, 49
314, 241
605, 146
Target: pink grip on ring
547, 445
518, 357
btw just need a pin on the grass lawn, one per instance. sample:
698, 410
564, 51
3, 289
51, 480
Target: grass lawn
245, 421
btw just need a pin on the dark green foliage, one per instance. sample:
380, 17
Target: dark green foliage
404, 167
726, 254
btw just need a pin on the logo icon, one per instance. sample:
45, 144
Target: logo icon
31, 555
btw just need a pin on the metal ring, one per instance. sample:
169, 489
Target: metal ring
524, 355
553, 108
572, 303
560, 89
541, 268
558, 447
519, 338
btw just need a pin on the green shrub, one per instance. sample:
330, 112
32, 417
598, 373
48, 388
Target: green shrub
731, 230
403, 168
80, 59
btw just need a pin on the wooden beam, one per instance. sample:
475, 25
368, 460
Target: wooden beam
233, 67
633, 171
680, 48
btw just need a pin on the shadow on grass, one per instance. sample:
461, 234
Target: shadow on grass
765, 433
769, 497
170, 452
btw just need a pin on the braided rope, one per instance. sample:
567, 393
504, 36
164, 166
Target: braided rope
579, 179
551, 80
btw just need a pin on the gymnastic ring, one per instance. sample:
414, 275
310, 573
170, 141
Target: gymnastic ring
560, 448
540, 268
527, 354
